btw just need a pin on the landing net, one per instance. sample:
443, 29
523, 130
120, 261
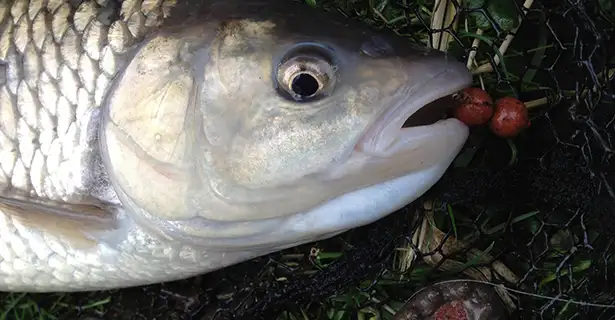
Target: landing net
535, 213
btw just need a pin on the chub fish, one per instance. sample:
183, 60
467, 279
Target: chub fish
150, 141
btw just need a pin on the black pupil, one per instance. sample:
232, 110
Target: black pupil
304, 85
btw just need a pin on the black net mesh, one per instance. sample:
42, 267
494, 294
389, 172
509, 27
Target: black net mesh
535, 213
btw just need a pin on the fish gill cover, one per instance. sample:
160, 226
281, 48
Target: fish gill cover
532, 215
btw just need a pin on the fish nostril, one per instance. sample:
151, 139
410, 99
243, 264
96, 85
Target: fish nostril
377, 47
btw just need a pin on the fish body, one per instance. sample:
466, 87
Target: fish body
149, 141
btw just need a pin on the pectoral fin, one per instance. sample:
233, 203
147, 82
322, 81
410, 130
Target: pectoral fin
75, 224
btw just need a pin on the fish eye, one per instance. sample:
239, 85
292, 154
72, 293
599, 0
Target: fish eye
306, 72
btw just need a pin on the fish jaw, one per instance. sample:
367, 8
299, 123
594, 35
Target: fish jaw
386, 136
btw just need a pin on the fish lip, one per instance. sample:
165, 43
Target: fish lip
382, 132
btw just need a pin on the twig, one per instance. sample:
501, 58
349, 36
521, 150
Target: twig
536, 103
488, 67
444, 14
543, 101
475, 44
384, 306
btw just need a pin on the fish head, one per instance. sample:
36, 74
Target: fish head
272, 126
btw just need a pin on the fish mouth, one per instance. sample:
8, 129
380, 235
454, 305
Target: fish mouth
439, 109
427, 104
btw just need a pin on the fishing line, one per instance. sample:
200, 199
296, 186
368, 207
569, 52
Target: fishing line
535, 295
